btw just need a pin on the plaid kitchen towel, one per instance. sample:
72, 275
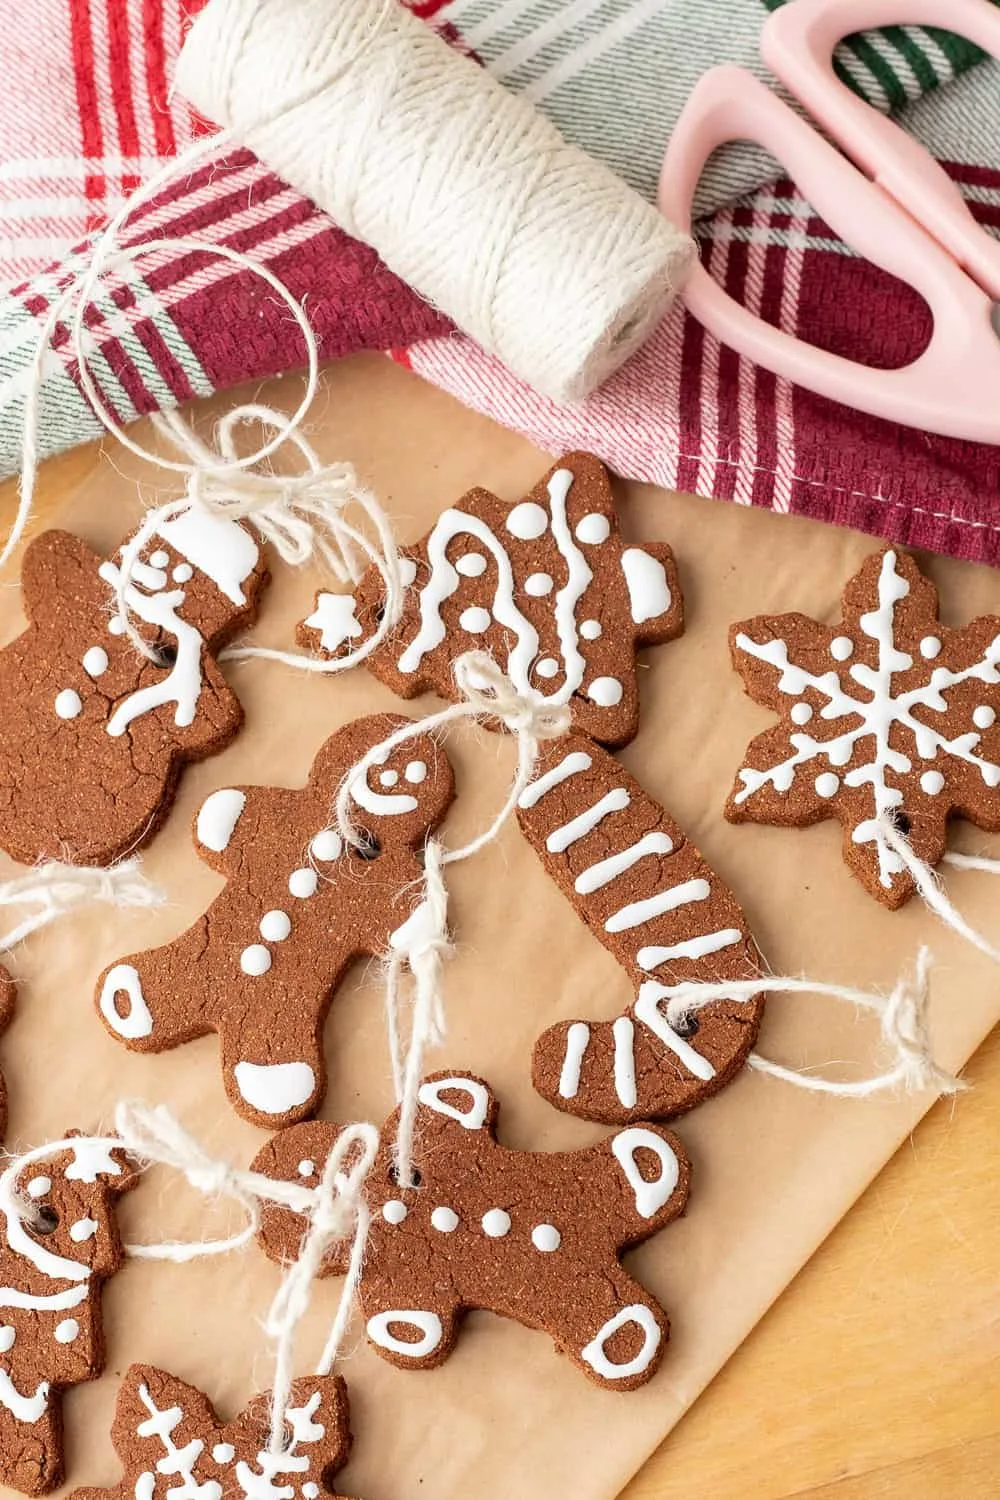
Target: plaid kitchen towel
85, 117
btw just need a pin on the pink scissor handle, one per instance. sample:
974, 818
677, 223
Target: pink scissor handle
953, 388
797, 43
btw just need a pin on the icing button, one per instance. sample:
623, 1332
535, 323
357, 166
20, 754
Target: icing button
255, 960
67, 1331
275, 926
593, 529
307, 1168
327, 845
95, 661
496, 1223
591, 630
68, 704
394, 1212
983, 717
444, 1219
303, 883
546, 1237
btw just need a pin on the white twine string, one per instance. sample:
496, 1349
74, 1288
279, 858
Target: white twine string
930, 888
903, 1017
421, 945
57, 889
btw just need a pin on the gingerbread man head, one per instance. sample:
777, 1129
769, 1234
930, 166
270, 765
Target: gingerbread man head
535, 1236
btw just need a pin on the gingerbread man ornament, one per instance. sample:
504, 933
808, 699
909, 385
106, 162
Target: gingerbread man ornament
260, 967
535, 1236
547, 586
94, 735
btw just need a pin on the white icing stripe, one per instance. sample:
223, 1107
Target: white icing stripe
578, 579
274, 1088
182, 684
646, 580
650, 1195
597, 1359
624, 1035
124, 979
23, 1408
472, 1118
639, 912
698, 947
427, 1323
594, 877
647, 1010
578, 828
218, 816
377, 803
572, 765
577, 1042
11, 1296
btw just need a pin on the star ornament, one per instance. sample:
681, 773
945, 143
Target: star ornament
888, 714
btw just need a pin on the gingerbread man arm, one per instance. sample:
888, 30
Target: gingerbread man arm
59, 573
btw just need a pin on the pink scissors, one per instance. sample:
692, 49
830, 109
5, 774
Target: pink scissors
886, 197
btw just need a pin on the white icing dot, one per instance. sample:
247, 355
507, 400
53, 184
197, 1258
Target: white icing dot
183, 573
394, 1212
930, 647
275, 926
415, 772
68, 704
255, 960
39, 1186
801, 713
444, 1219
159, 559
527, 521
95, 661
496, 1223
116, 625
303, 883
407, 571
827, 785
67, 1331
307, 1168
841, 648
605, 691
388, 778
983, 717
310, 1490
475, 620
547, 667
223, 1453
538, 585
471, 565
591, 630
593, 529
546, 1237
7, 1337
83, 1229
932, 782
327, 844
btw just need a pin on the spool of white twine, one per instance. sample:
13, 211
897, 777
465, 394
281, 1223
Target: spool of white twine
544, 256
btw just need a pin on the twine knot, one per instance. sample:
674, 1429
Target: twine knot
490, 693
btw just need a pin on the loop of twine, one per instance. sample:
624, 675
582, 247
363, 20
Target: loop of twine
57, 889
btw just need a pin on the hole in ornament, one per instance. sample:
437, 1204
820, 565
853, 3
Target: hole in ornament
900, 822
45, 1220
369, 847
165, 656
687, 1025
415, 1177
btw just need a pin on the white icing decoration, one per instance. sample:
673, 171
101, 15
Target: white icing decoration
218, 816
395, 1211
496, 1223
138, 1021
310, 1490
39, 1186
577, 828
379, 804
597, 1359
696, 947
336, 620
591, 630
407, 571
538, 585
275, 926
180, 1461
327, 845
473, 1118
48, 1301
983, 716
159, 559
624, 1035
475, 620
388, 778
181, 684
66, 1331
570, 765
258, 1484
637, 913
841, 648
26, 1409
183, 573
307, 1167
222, 549
445, 1220
83, 1229
930, 647
150, 578
932, 782
598, 875
527, 521
873, 714
116, 625
68, 704
472, 565
827, 784
606, 692
91, 1159
416, 772
546, 1238
223, 1453
649, 1196
95, 661
274, 1088
302, 883
646, 580
7, 1338
255, 960
577, 1042
593, 529
547, 667
647, 1011
800, 713
428, 1323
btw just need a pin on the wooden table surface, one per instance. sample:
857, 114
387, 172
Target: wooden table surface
876, 1376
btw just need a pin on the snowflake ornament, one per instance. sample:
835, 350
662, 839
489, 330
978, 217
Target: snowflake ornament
888, 714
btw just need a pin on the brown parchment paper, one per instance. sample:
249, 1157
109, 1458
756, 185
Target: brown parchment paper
774, 1168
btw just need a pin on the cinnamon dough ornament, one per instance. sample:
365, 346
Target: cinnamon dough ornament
653, 902
260, 967
8, 995
886, 714
547, 586
54, 1261
93, 735
174, 1447
532, 1235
